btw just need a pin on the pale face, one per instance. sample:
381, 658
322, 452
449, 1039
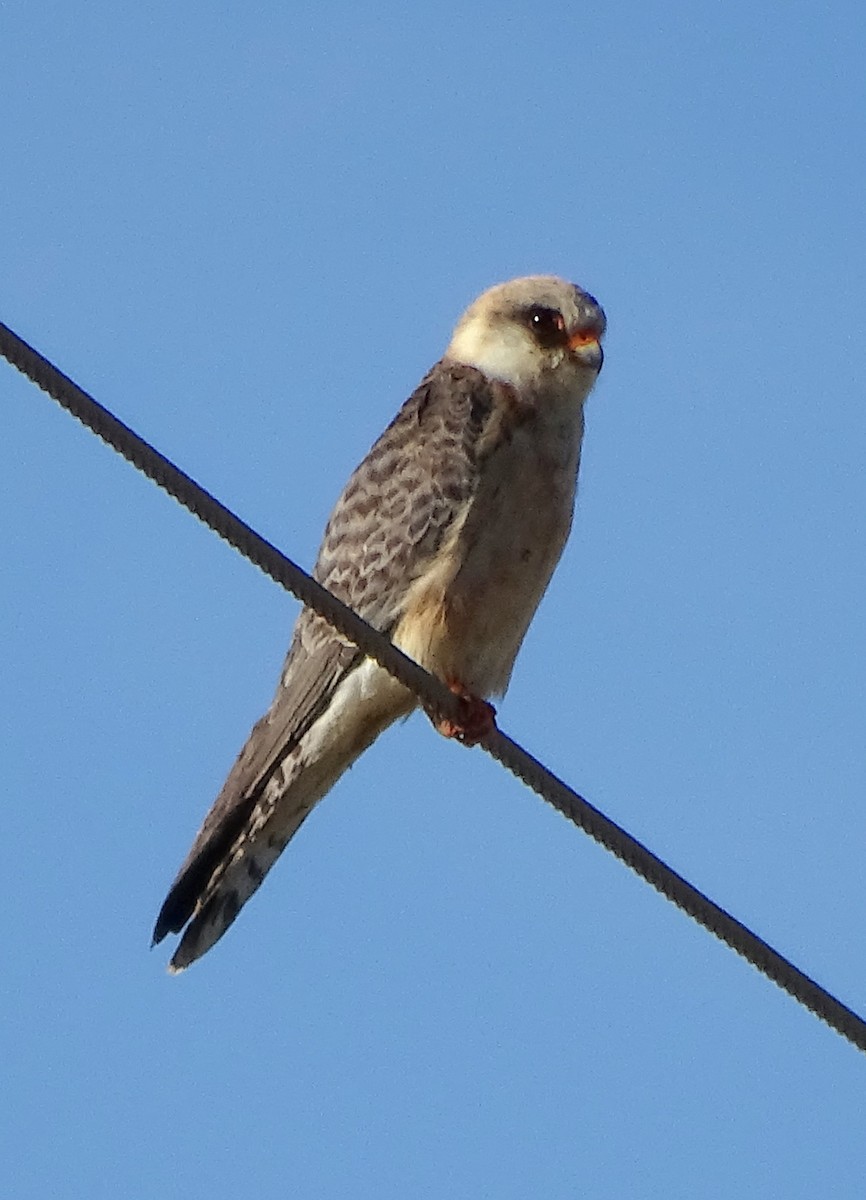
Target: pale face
535, 331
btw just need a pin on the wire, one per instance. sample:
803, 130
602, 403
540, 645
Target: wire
429, 690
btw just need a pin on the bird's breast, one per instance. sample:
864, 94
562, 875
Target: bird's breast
468, 614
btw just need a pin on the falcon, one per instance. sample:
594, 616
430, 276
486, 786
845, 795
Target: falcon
444, 539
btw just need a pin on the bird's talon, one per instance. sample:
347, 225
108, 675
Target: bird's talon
474, 721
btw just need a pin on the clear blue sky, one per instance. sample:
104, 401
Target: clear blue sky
248, 230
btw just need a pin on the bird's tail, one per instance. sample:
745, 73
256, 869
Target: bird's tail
250, 826
243, 869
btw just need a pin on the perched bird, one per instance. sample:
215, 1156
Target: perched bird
445, 539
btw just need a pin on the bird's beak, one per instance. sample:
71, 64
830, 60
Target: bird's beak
586, 348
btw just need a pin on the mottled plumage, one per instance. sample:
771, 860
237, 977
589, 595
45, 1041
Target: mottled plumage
445, 538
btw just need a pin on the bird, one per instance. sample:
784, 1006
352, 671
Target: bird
444, 539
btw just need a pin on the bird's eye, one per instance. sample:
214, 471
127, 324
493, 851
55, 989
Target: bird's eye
548, 325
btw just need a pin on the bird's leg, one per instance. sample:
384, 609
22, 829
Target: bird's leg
476, 718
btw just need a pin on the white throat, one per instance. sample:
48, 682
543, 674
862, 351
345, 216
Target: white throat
502, 354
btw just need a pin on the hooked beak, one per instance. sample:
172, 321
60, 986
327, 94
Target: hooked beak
585, 346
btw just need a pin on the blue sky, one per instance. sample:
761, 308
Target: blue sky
248, 231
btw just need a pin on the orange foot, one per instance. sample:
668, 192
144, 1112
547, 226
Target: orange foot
476, 718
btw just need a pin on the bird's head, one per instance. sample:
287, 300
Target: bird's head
538, 331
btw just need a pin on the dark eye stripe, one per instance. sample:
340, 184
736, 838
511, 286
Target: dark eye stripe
548, 326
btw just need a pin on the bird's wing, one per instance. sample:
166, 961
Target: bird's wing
398, 505
315, 676
384, 532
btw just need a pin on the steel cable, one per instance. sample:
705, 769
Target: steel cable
430, 691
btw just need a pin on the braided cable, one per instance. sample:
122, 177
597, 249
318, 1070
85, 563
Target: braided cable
434, 695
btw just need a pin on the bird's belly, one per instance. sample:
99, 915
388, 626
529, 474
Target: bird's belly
469, 614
